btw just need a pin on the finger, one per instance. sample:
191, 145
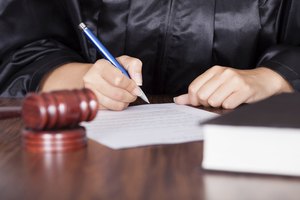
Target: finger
199, 82
134, 68
112, 92
101, 107
182, 100
210, 88
222, 92
114, 77
235, 99
94, 79
106, 102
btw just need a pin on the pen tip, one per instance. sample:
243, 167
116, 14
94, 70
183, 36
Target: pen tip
147, 100
144, 97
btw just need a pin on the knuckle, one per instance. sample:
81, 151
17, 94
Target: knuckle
133, 98
101, 67
212, 102
88, 82
194, 102
131, 86
99, 63
85, 79
238, 81
202, 99
202, 96
118, 80
192, 90
217, 68
229, 72
227, 105
118, 96
120, 106
124, 57
247, 88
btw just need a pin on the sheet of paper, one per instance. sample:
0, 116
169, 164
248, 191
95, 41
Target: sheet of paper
148, 125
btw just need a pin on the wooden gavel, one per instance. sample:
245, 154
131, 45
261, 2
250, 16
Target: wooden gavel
52, 119
55, 110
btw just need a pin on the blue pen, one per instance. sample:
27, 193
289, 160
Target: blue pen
105, 53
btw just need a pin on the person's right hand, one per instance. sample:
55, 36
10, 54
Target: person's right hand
113, 89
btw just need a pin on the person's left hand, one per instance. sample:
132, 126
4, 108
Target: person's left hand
228, 87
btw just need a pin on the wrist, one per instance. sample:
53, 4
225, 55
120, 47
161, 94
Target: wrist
67, 76
279, 83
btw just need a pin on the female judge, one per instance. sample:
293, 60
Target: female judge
218, 53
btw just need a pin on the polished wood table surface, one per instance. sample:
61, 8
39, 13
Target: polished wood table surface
97, 172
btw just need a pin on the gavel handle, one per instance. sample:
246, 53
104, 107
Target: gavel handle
10, 112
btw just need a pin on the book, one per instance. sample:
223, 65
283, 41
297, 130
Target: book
263, 137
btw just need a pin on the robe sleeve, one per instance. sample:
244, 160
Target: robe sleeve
33, 43
284, 58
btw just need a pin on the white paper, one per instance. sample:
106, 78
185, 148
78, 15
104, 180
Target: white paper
148, 125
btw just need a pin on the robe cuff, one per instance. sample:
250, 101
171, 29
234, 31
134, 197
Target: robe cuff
285, 60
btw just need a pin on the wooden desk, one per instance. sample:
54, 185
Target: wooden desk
154, 173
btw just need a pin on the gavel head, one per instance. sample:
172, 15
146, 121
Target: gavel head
59, 109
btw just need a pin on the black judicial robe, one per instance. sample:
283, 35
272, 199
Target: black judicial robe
176, 40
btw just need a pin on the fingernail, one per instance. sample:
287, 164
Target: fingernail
137, 92
138, 79
180, 100
174, 99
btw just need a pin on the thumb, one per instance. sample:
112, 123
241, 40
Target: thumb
134, 68
182, 99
